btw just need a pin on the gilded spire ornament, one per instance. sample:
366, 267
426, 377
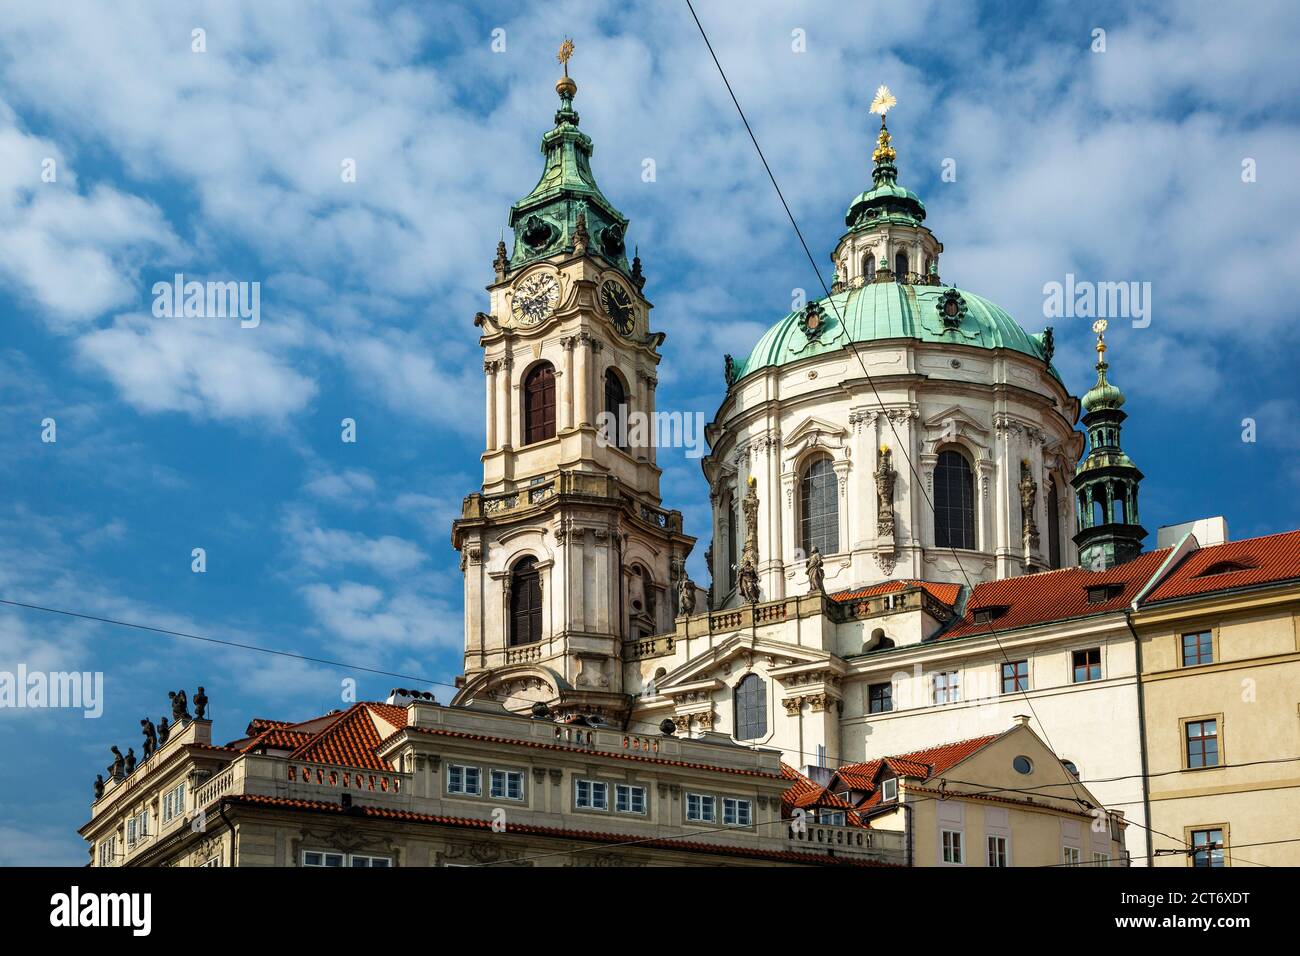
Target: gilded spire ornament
883, 102
566, 87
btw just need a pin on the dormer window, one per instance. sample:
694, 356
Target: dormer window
889, 790
984, 615
1226, 567
1101, 593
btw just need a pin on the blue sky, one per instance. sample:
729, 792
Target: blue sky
175, 434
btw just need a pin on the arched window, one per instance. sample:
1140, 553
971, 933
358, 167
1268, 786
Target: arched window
869, 268
954, 501
1053, 526
751, 708
929, 262
539, 403
819, 514
900, 267
1118, 511
616, 406
731, 556
1098, 510
525, 603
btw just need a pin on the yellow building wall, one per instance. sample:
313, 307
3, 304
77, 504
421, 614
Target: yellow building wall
1253, 690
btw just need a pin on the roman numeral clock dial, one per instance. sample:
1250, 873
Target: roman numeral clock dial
535, 298
617, 303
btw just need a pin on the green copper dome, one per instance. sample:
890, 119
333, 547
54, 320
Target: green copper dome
891, 310
1103, 395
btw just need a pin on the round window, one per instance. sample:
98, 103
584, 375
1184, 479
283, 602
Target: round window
1023, 765
1071, 766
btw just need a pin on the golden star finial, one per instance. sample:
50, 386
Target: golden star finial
883, 102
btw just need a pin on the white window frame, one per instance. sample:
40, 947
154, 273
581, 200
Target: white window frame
505, 777
173, 803
372, 861
1071, 855
734, 808
108, 851
623, 799
214, 861
1004, 850
1100, 859
951, 685
832, 818
957, 847
593, 787
466, 771
701, 800
889, 789
323, 854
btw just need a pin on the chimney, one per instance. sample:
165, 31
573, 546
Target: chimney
1021, 719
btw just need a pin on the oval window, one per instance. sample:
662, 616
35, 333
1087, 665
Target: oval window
1023, 764
1071, 766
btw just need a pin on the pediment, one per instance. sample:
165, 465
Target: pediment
733, 656
955, 416
815, 428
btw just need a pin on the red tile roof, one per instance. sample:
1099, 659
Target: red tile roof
944, 593
663, 843
1272, 558
1054, 595
351, 740
921, 765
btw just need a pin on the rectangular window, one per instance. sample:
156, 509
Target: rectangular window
1071, 855
108, 851
130, 832
373, 862
591, 795
1100, 859
463, 779
1087, 665
1202, 743
736, 813
629, 799
832, 818
952, 852
173, 803
700, 808
947, 687
506, 785
215, 861
1198, 649
889, 789
997, 851
321, 858
1015, 677
1207, 847
880, 698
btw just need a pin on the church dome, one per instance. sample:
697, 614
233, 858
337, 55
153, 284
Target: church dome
881, 311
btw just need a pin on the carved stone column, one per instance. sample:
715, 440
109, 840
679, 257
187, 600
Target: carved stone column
490, 376
566, 412
582, 381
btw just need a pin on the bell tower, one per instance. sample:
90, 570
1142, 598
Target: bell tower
1107, 479
565, 549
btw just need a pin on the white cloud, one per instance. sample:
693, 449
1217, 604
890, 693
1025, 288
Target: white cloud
367, 615
204, 367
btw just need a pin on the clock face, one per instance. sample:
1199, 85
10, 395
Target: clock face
535, 298
617, 303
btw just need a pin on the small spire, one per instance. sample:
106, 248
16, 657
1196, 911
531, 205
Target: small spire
884, 155
637, 276
566, 87
1103, 394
